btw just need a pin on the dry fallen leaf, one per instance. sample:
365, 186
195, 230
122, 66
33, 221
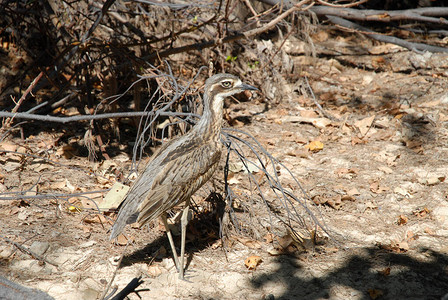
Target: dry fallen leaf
421, 212
115, 196
353, 192
402, 220
385, 169
315, 146
66, 151
249, 242
385, 272
377, 188
364, 124
252, 262
401, 191
123, 241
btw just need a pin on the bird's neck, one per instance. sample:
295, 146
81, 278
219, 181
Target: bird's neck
210, 123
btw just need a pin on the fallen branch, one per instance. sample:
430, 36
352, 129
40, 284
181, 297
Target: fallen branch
63, 120
384, 38
426, 14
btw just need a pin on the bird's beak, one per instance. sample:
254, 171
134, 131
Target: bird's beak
244, 87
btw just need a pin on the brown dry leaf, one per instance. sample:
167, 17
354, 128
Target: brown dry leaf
235, 123
342, 171
401, 191
285, 241
364, 124
356, 140
300, 140
433, 180
429, 231
385, 169
377, 188
58, 185
328, 96
404, 246
375, 293
253, 244
7, 146
66, 151
411, 236
421, 213
348, 198
114, 197
97, 218
308, 114
252, 262
397, 247
315, 146
402, 220
335, 202
269, 238
353, 192
122, 240
385, 272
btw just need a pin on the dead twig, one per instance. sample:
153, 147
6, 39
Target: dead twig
342, 5
322, 112
28, 251
19, 103
274, 22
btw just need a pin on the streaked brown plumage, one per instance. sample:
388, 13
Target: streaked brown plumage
181, 166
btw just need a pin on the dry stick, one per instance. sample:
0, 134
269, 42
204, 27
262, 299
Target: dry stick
28, 90
319, 107
251, 8
387, 39
279, 48
64, 120
274, 22
28, 251
418, 14
342, 5
373, 14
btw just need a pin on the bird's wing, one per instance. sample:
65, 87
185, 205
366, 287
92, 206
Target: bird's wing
178, 180
163, 185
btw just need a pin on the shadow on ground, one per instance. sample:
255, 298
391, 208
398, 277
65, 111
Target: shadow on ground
364, 275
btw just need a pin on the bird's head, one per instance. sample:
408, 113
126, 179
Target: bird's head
220, 86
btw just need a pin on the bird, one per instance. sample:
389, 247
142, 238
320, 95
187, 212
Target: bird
180, 167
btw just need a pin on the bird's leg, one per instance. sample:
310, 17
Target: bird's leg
170, 238
184, 223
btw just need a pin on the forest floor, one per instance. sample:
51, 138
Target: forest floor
378, 179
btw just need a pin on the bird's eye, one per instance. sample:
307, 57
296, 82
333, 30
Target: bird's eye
226, 84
